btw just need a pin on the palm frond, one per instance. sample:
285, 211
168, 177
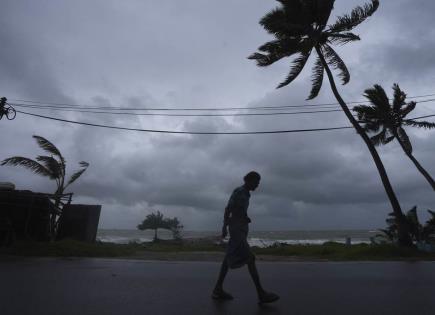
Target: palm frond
399, 98
373, 126
378, 97
412, 215
368, 112
336, 62
49, 147
389, 234
52, 165
288, 20
419, 124
288, 46
30, 164
363, 111
356, 17
83, 164
369, 117
297, 66
382, 138
263, 60
379, 138
407, 109
79, 173
342, 38
321, 11
275, 50
405, 140
431, 220
316, 78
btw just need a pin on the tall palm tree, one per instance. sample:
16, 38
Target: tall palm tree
52, 166
390, 120
299, 27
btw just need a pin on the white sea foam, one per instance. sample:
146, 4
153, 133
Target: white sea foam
265, 242
123, 239
255, 238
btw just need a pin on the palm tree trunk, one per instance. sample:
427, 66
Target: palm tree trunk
416, 163
53, 223
403, 230
155, 235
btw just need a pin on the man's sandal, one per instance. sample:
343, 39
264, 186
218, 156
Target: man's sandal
267, 297
221, 295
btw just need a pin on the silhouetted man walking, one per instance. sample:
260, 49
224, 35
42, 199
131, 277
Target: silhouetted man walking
238, 252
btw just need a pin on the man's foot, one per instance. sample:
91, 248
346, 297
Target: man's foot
267, 297
220, 294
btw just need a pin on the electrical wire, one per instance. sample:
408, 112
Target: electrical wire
184, 115
184, 132
197, 133
197, 109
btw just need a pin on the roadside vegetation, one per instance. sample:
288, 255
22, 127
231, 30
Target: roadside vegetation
177, 250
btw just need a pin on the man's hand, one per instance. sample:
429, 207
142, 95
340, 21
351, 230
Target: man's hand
224, 231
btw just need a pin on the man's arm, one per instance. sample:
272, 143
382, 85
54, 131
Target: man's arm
226, 222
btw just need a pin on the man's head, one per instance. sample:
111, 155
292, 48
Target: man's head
252, 180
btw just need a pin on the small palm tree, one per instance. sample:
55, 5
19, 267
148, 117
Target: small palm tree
387, 121
52, 166
418, 231
153, 221
299, 27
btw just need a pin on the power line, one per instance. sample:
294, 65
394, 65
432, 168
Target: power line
183, 115
199, 109
197, 133
49, 105
289, 107
421, 117
184, 132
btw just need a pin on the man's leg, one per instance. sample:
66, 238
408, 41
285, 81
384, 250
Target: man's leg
223, 272
263, 296
254, 275
218, 292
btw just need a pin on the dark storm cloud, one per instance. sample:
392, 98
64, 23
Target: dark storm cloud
402, 51
193, 54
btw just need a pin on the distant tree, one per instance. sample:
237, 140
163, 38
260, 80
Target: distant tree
175, 227
155, 221
300, 28
53, 167
387, 120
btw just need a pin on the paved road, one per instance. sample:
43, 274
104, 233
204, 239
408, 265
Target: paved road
103, 286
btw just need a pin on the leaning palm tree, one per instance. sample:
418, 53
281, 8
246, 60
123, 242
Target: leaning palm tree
299, 27
387, 121
52, 166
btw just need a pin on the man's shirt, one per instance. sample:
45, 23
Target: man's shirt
238, 206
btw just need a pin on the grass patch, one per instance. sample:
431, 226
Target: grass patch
328, 251
174, 246
337, 251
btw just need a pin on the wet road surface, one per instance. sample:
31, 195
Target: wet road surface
108, 286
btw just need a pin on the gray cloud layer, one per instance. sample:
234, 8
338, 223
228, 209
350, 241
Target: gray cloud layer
168, 54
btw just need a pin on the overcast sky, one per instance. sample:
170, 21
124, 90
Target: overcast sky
192, 53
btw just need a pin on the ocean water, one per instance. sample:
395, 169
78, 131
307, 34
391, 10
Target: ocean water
255, 238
